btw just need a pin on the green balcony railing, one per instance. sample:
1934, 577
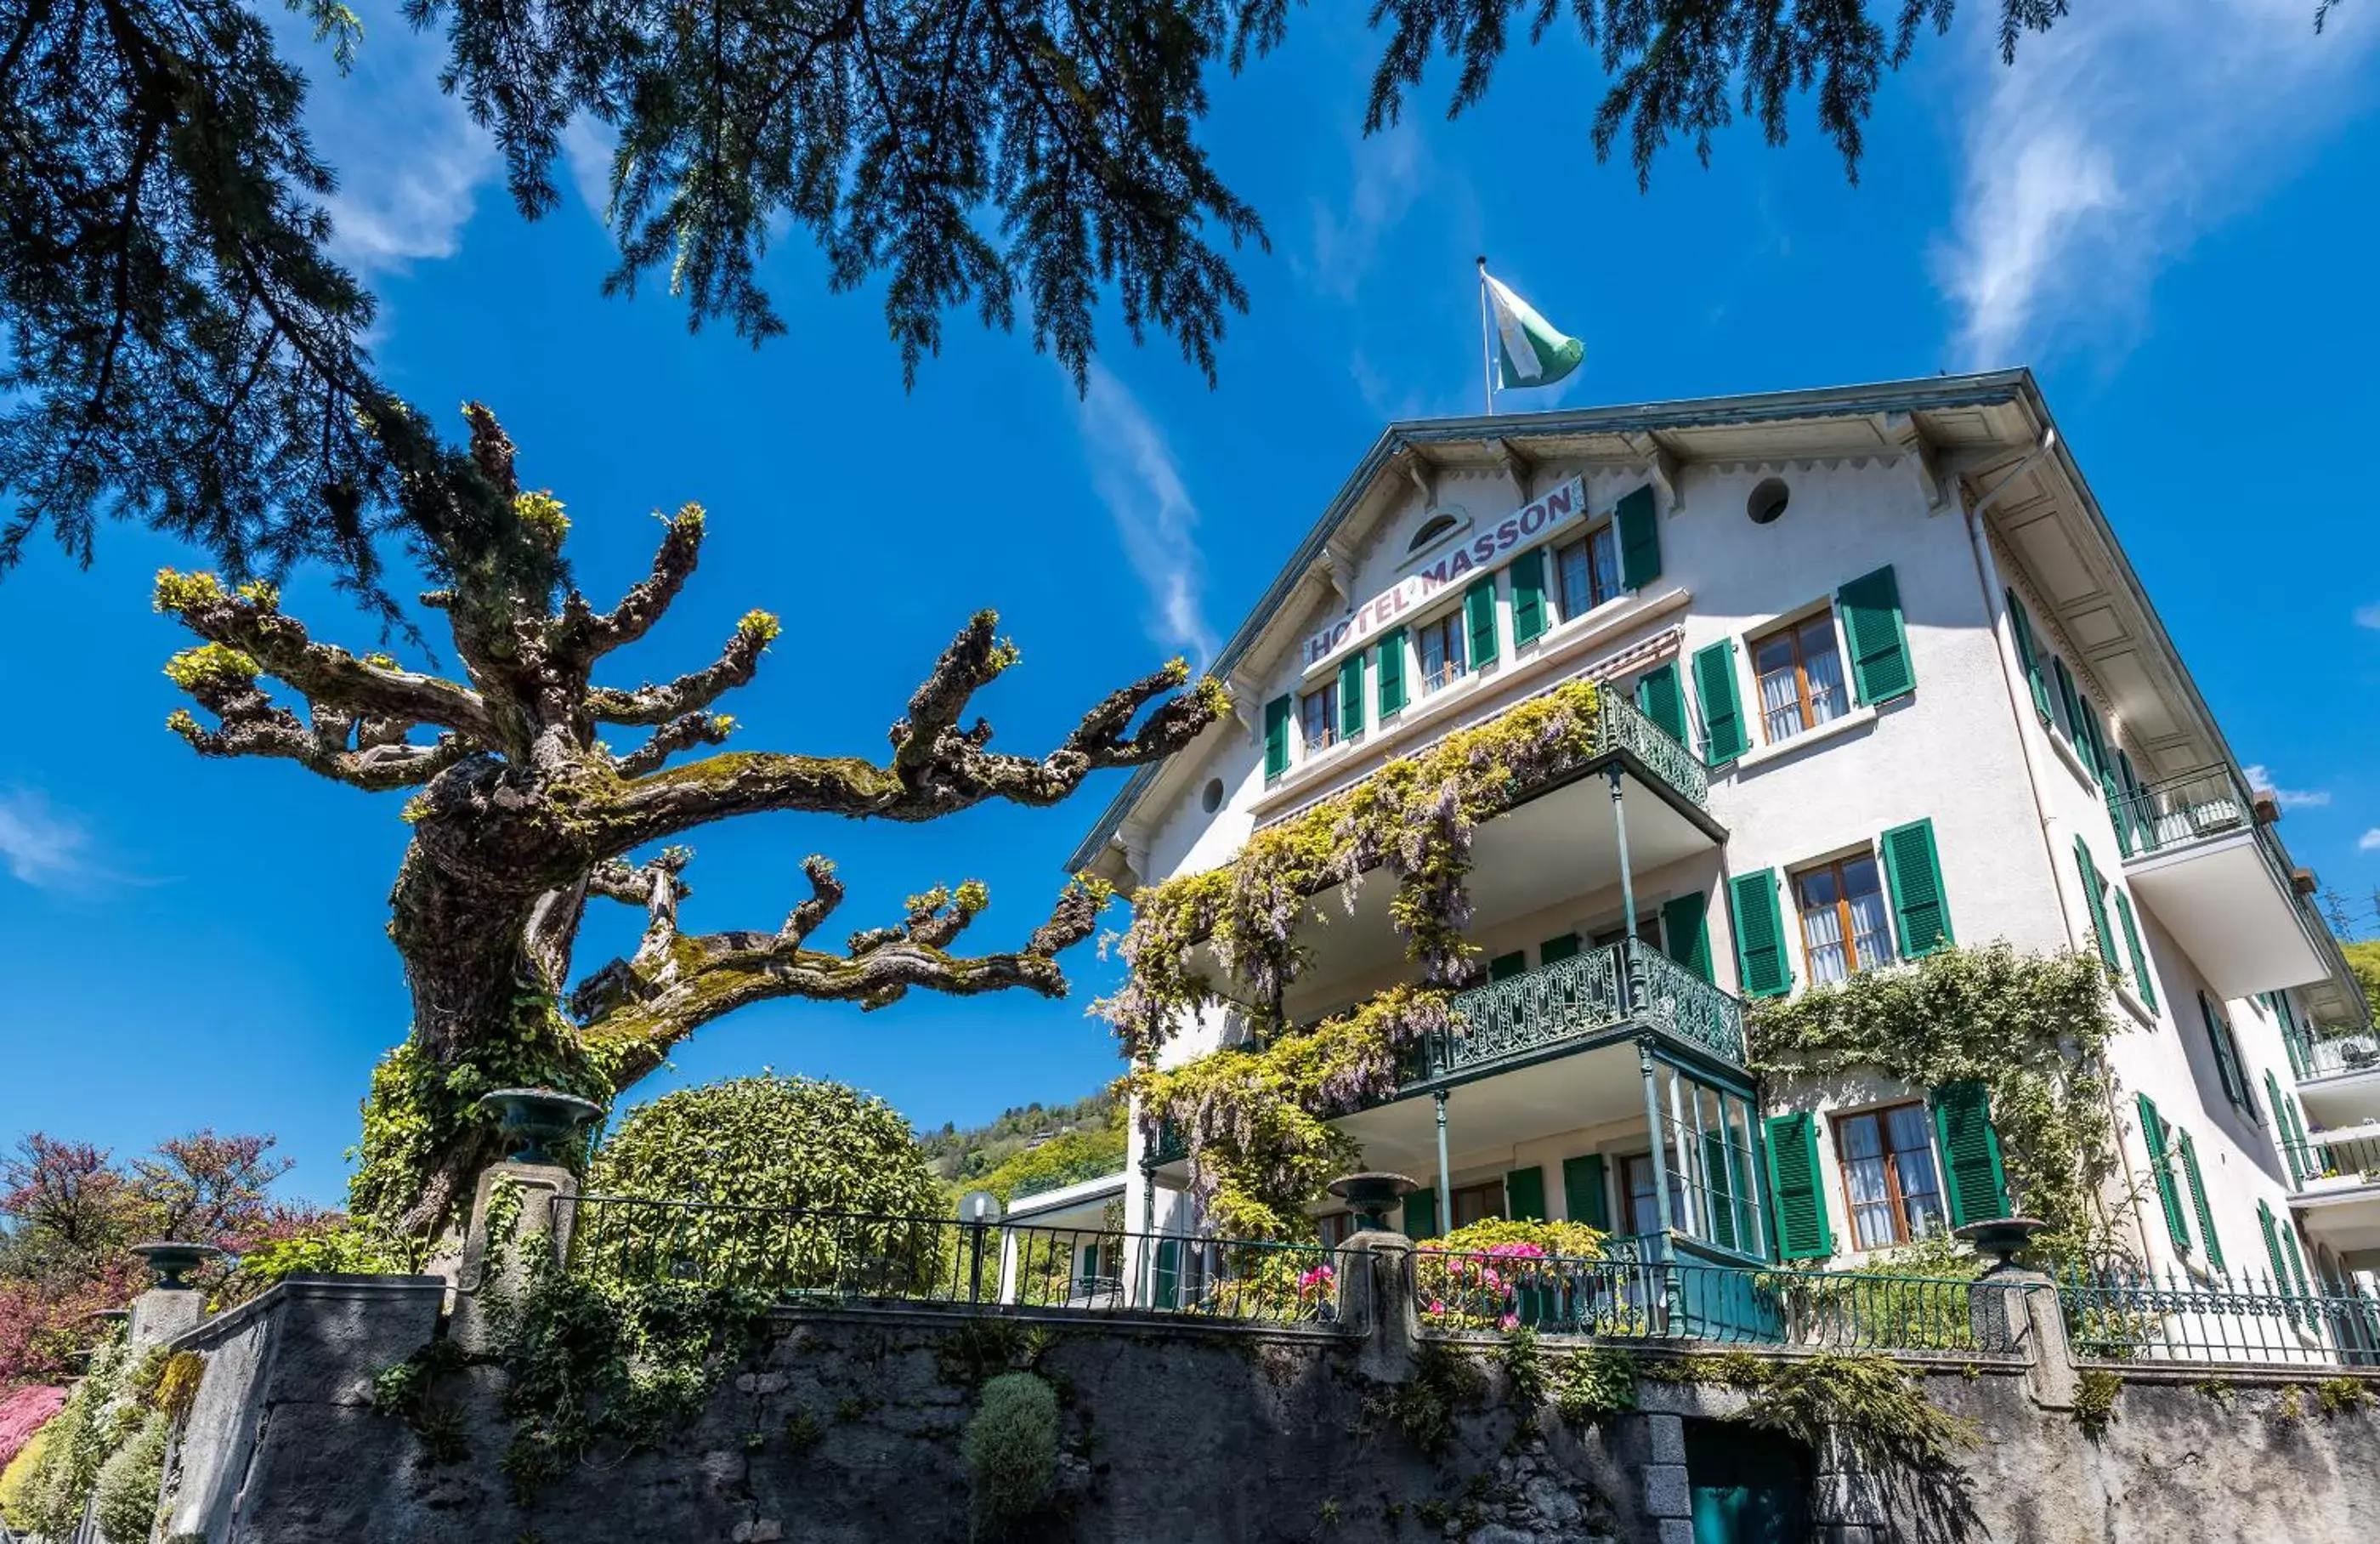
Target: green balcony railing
1578, 999
1620, 726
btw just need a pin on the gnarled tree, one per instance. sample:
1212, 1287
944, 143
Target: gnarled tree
523, 816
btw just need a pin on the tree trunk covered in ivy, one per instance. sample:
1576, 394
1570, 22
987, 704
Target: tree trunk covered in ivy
522, 817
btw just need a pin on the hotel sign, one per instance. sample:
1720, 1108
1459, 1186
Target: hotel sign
1452, 566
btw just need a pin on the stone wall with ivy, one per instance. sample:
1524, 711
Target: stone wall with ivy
850, 1426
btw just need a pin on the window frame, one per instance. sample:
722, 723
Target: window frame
1791, 629
1452, 627
1853, 965
1327, 692
1627, 1166
1607, 529
1839, 1122
1490, 1188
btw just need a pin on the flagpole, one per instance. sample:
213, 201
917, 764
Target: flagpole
1486, 342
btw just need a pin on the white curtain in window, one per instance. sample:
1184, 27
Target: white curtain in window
1871, 933
1822, 928
1780, 705
1827, 697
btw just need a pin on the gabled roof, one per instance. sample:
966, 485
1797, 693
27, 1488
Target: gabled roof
1773, 424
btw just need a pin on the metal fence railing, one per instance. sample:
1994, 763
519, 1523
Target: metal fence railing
2328, 1155
823, 1256
1638, 1299
2127, 1315
1075, 1172
2341, 1057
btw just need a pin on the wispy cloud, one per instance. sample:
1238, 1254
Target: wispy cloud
2369, 841
2368, 616
1136, 475
42, 847
2261, 778
588, 146
1390, 170
411, 164
2114, 141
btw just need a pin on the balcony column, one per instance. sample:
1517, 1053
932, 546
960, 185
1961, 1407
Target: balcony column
1627, 896
1672, 1288
1445, 1190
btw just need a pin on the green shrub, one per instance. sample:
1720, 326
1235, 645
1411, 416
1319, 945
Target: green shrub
2094, 1401
17, 1480
124, 1496
1011, 1452
773, 1144
1594, 1385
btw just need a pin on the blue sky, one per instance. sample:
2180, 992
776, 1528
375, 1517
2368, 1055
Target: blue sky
2161, 208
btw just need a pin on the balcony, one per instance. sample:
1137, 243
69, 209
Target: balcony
2339, 1080
2196, 855
2339, 1194
1618, 989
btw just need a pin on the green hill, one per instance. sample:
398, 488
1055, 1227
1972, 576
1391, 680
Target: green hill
1031, 1141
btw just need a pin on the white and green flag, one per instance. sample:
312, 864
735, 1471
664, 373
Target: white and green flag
1529, 351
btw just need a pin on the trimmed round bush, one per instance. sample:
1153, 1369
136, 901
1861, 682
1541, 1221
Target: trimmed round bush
1010, 1451
786, 1164
125, 1500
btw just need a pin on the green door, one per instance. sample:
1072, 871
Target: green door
1169, 1273
1750, 1487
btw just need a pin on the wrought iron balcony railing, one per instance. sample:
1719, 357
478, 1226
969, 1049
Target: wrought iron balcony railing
2321, 1156
1580, 999
2343, 1057
2179, 810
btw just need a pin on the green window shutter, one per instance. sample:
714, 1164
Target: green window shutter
1528, 596
2140, 982
1719, 1189
2198, 1200
2297, 1132
2092, 894
1760, 967
1661, 697
2087, 742
2226, 1055
1974, 1176
1685, 926
1421, 1214
1722, 719
2281, 1132
2273, 1248
2065, 695
1277, 714
1640, 539
2021, 626
2288, 1233
1794, 1194
1554, 950
2161, 1170
1871, 613
1479, 617
1525, 1194
1393, 675
1169, 1273
1351, 697
1504, 968
1919, 908
1583, 1190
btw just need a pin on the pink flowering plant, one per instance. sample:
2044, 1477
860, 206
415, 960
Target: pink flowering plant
1481, 1277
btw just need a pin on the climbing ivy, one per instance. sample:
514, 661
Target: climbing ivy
2031, 1029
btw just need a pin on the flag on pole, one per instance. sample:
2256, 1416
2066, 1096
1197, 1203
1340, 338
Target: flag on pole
1530, 352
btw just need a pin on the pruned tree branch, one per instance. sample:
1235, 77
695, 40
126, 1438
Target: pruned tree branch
370, 754
679, 734
594, 635
249, 622
637, 1008
689, 693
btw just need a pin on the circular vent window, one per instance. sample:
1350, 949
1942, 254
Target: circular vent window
1767, 501
1210, 798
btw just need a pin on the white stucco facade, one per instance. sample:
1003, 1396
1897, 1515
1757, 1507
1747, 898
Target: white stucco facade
1956, 485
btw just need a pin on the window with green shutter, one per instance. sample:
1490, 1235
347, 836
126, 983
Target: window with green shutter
2140, 982
1528, 596
1479, 617
1640, 539
1557, 949
2289, 1231
1277, 715
2273, 1246
1921, 912
1393, 675
1421, 1214
2068, 700
1351, 698
1504, 967
2228, 1070
1583, 1194
2087, 743
2028, 654
2094, 894
2198, 1198
1685, 928
2296, 1121
1714, 699
1525, 1194
1661, 697
1870, 607
2153, 1136
1797, 1200
2281, 1133
1760, 966
1973, 1177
